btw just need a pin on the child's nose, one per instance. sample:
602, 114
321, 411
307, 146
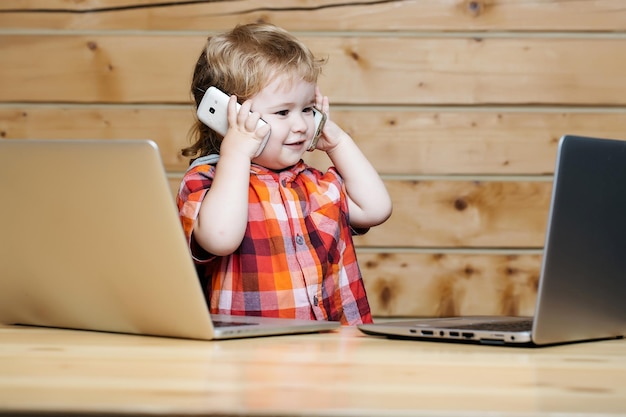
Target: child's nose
299, 123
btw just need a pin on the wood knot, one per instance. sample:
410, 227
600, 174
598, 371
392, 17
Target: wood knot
371, 264
354, 55
474, 8
460, 204
92, 45
386, 296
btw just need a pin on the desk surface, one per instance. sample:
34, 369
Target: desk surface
339, 373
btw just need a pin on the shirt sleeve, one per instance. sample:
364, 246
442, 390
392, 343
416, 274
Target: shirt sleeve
191, 193
337, 178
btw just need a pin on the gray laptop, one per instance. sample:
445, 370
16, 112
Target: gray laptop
90, 239
582, 287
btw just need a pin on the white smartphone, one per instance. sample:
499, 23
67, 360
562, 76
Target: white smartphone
213, 112
320, 120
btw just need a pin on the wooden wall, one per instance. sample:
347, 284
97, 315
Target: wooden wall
459, 105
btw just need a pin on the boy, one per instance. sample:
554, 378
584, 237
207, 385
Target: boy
270, 235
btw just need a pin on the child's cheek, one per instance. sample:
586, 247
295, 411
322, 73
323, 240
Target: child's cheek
279, 132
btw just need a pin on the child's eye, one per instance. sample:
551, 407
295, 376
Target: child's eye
308, 110
282, 112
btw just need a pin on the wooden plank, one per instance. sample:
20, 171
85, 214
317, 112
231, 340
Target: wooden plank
450, 284
110, 69
504, 214
459, 214
168, 126
360, 70
409, 141
321, 15
458, 141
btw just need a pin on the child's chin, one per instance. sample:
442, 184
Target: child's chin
278, 165
282, 161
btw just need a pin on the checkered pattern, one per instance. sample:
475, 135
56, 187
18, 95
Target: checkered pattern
296, 260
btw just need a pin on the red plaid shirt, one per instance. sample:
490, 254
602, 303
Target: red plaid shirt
297, 258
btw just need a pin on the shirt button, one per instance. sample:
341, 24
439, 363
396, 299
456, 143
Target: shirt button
299, 240
284, 183
315, 300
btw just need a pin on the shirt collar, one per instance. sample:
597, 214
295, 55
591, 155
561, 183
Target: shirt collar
287, 174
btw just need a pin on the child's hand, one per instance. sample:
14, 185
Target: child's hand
243, 135
332, 133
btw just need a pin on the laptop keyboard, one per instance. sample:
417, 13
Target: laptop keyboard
501, 326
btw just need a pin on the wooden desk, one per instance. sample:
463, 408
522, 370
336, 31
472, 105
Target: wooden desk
341, 373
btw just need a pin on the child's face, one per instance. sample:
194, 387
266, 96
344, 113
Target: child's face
288, 108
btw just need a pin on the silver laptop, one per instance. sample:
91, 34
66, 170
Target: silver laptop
90, 239
582, 287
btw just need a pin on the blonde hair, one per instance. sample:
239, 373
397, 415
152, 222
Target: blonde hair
242, 62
